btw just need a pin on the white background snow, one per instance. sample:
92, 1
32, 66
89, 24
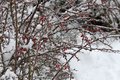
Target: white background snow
97, 65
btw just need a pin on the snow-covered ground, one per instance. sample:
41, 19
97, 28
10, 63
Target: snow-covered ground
97, 65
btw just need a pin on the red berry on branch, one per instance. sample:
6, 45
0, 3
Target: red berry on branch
45, 39
62, 25
64, 49
24, 49
81, 35
42, 18
58, 66
34, 40
23, 38
66, 67
21, 49
34, 46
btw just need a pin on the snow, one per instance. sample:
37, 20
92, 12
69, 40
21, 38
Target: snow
97, 65
39, 26
30, 9
29, 45
9, 50
49, 3
9, 75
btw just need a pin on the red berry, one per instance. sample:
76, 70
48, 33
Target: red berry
66, 67
81, 35
24, 49
58, 66
64, 49
21, 48
42, 18
34, 40
45, 39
